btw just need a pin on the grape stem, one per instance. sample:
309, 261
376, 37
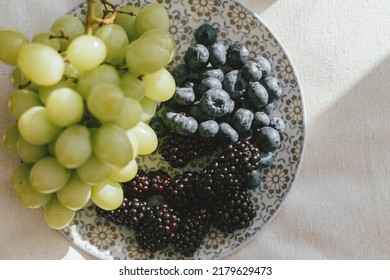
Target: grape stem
92, 19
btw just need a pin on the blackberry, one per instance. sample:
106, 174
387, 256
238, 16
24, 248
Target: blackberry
159, 229
146, 184
192, 230
132, 213
183, 193
178, 150
233, 211
230, 169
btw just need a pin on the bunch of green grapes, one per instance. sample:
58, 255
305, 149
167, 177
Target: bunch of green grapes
82, 101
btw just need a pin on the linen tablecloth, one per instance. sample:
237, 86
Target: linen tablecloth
339, 206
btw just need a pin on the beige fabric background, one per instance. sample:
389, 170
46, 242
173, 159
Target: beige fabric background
339, 207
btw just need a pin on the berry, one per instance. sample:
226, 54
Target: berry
209, 83
274, 87
212, 72
192, 230
205, 34
159, 127
215, 102
261, 119
266, 159
235, 84
227, 132
197, 112
178, 150
264, 65
184, 124
217, 52
183, 193
196, 57
237, 55
233, 211
131, 213
208, 128
268, 139
253, 179
257, 94
184, 95
157, 231
242, 120
180, 73
252, 71
279, 124
230, 169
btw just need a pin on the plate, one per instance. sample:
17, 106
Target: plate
233, 22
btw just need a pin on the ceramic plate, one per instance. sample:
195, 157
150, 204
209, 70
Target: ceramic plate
234, 22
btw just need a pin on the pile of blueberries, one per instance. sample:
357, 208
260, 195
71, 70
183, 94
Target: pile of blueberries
222, 92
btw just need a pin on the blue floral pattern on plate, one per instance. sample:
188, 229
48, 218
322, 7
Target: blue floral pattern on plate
233, 22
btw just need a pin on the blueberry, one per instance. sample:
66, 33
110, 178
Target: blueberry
235, 84
217, 54
212, 72
266, 159
264, 64
196, 57
279, 124
268, 108
167, 118
208, 128
227, 133
184, 125
252, 71
215, 102
184, 95
257, 94
180, 73
159, 126
242, 120
274, 87
268, 139
207, 84
253, 179
237, 55
205, 34
261, 119
197, 112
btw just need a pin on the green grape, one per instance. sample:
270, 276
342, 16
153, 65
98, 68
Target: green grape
47, 175
165, 39
75, 194
111, 145
56, 215
72, 72
73, 147
146, 138
134, 143
36, 128
115, 39
152, 16
130, 113
68, 27
30, 198
133, 86
105, 101
10, 137
64, 107
86, 52
124, 174
93, 171
22, 100
126, 19
102, 74
98, 9
11, 42
47, 38
30, 153
44, 92
107, 195
19, 81
160, 85
20, 176
145, 56
149, 108
41, 64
